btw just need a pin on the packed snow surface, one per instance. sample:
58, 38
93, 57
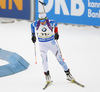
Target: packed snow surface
80, 47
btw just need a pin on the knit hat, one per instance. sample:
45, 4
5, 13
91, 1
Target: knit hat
42, 15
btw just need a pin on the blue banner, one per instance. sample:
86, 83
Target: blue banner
19, 9
84, 12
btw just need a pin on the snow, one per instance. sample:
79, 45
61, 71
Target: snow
80, 48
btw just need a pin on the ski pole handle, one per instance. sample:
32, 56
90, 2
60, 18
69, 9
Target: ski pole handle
42, 3
35, 53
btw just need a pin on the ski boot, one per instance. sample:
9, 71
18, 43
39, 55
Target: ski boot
47, 77
69, 76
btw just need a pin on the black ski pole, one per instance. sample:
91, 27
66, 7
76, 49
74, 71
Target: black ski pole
44, 4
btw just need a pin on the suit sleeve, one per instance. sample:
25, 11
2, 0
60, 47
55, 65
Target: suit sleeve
56, 27
32, 29
54, 23
33, 26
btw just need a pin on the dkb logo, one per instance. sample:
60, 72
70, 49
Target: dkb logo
74, 8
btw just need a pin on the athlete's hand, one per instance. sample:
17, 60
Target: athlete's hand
33, 38
56, 36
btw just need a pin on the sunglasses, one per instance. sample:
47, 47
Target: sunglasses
42, 20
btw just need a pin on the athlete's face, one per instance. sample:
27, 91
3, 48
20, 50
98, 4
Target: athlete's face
43, 23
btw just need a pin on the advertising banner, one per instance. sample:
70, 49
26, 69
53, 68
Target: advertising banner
19, 9
84, 12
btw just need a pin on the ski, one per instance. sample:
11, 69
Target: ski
47, 84
75, 82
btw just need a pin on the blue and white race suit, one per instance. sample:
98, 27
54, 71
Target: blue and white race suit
47, 42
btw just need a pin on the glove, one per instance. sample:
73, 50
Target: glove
56, 36
33, 38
